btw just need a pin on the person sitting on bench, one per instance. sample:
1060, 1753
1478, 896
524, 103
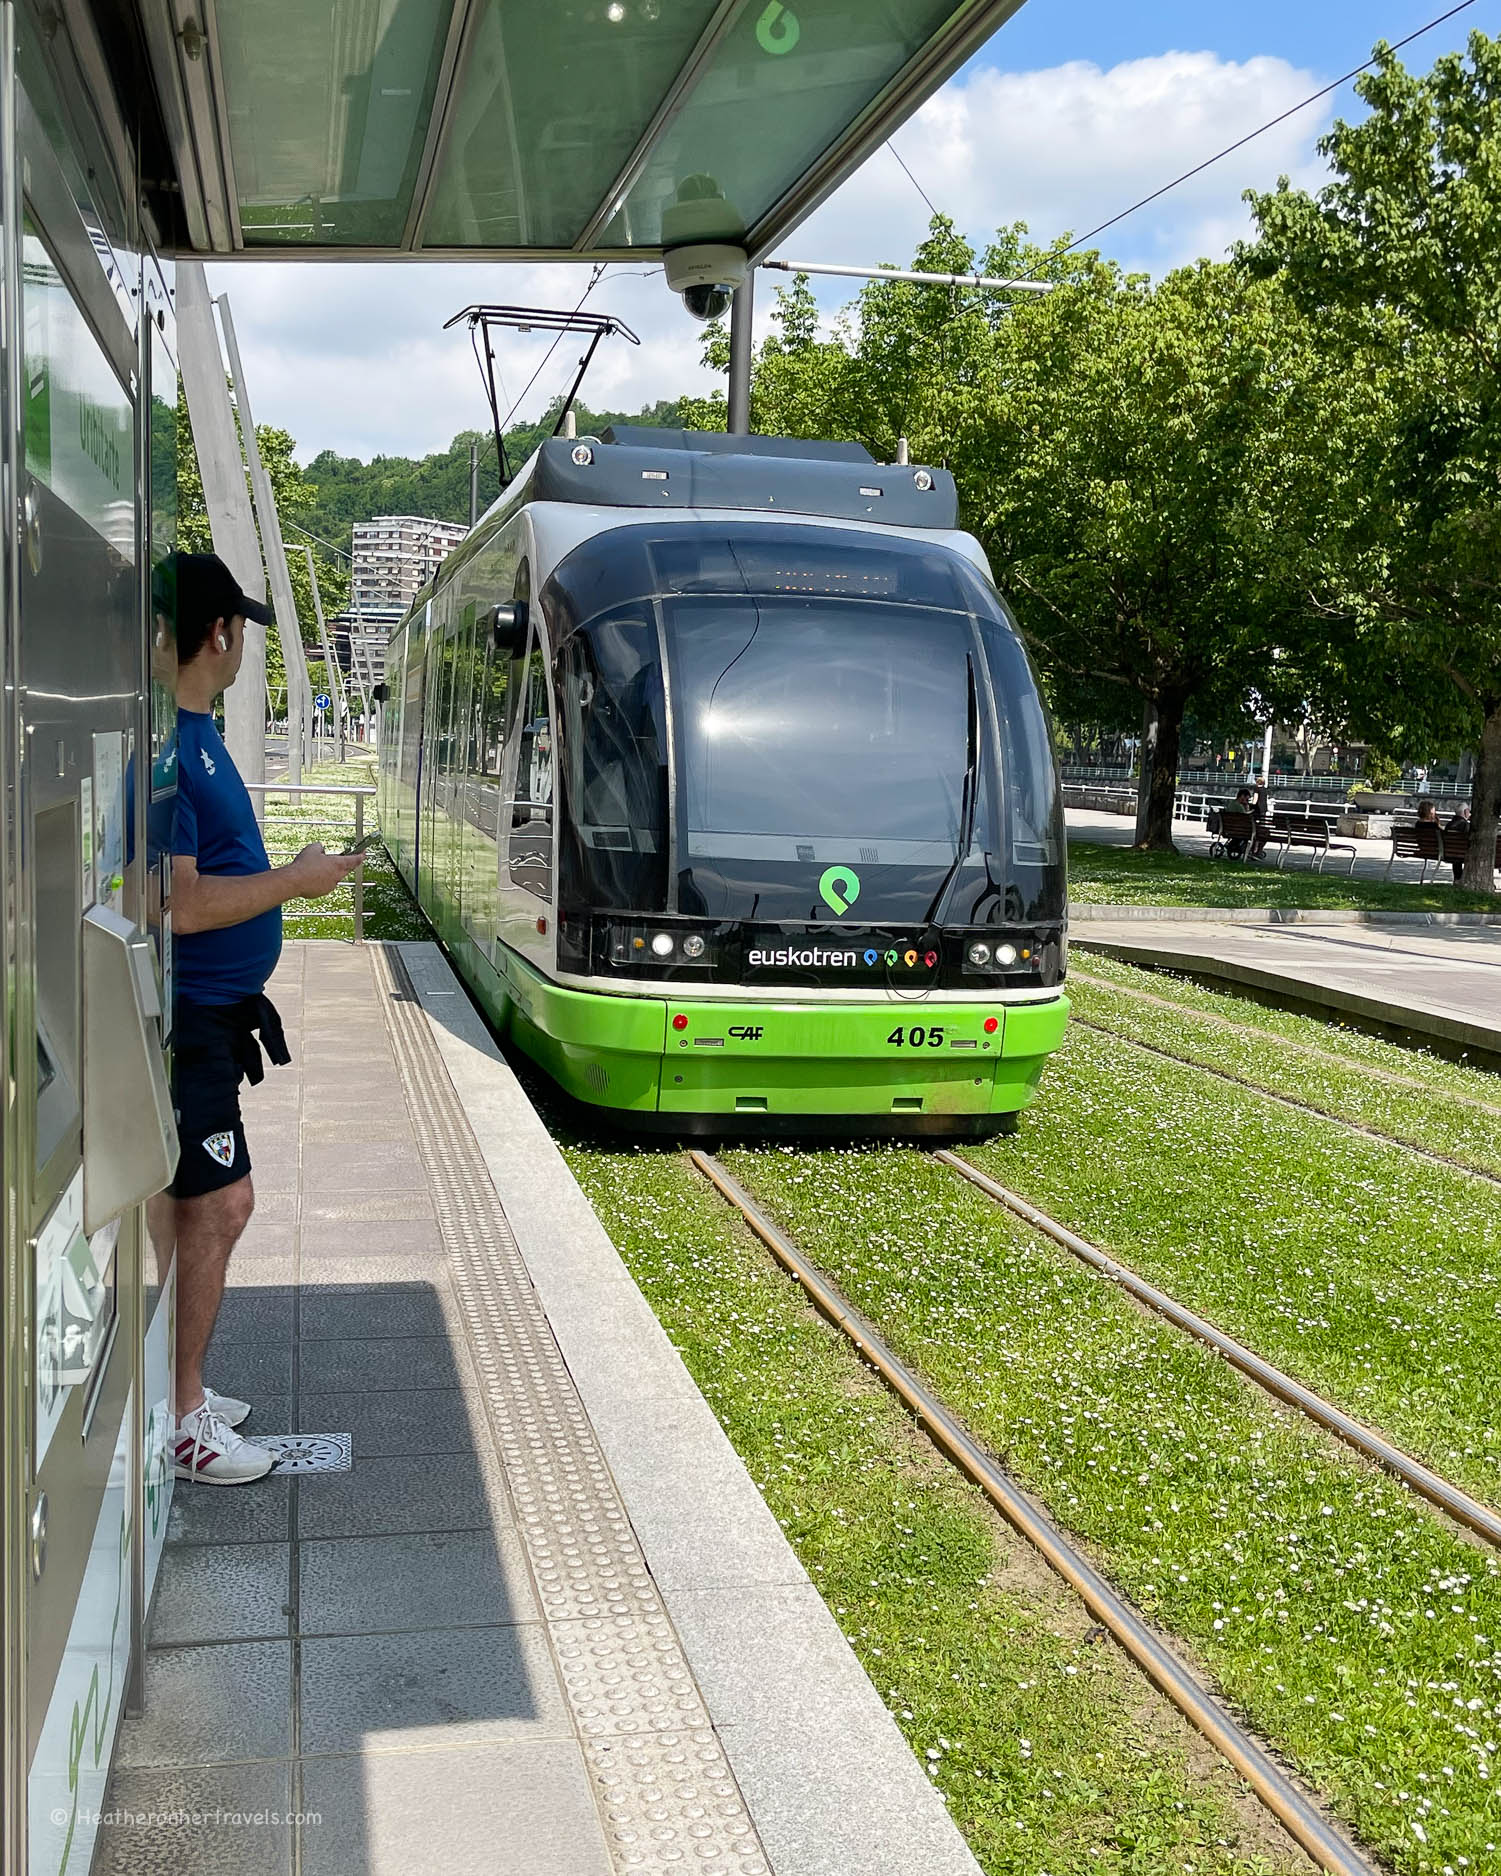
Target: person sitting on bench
1458, 823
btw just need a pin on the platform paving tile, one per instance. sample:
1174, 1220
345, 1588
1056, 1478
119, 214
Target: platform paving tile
368, 1585
262, 1314
513, 1809
244, 1368
259, 1267
442, 1687
371, 1311
412, 1203
433, 1421
355, 1166
220, 1704
669, 1456
396, 1493
222, 1592
423, 1262
221, 1822
211, 1515
348, 1364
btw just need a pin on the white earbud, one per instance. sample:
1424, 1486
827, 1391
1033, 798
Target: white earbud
221, 641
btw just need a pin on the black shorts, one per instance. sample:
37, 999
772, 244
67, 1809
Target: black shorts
207, 1069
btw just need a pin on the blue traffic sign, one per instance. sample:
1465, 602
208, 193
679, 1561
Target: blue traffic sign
322, 700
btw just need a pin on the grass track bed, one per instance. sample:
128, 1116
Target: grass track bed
1053, 1754
1423, 1116
1373, 1277
1307, 1034
1356, 1631
1104, 875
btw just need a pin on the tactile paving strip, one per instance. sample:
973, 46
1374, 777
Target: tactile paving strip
666, 1794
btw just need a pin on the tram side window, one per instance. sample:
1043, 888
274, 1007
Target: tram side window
493, 723
1034, 811
531, 805
534, 769
613, 737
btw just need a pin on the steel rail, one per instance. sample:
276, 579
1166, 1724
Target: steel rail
1330, 1057
1457, 1504
1298, 1105
1292, 1808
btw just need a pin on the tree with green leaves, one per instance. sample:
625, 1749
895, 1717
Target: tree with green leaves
1398, 262
1150, 469
295, 497
1153, 477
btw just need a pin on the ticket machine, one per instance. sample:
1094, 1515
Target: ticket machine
88, 438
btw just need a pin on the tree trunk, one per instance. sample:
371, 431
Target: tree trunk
1161, 740
1485, 807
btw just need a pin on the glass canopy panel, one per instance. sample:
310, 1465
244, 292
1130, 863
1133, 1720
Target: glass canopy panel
782, 87
328, 109
551, 102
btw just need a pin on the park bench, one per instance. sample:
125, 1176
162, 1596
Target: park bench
1310, 831
1239, 829
1418, 840
1456, 846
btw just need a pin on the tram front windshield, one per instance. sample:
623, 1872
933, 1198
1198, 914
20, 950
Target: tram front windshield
828, 701
821, 720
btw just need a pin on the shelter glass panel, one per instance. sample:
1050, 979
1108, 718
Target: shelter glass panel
782, 87
328, 113
550, 104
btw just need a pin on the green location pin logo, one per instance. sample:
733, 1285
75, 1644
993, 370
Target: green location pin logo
839, 889
777, 30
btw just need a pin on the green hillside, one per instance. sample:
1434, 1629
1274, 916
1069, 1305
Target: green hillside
348, 490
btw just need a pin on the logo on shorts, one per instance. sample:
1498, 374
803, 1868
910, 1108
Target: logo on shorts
221, 1146
208, 764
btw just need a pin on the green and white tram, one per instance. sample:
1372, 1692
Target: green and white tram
719, 767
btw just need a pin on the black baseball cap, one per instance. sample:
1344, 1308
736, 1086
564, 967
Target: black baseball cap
196, 589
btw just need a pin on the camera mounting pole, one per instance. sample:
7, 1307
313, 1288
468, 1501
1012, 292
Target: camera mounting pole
742, 307
481, 319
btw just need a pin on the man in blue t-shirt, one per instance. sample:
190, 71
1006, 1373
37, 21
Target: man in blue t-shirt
226, 923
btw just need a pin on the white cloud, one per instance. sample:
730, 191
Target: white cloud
353, 357
1065, 149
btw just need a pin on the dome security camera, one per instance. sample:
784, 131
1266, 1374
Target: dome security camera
702, 236
705, 274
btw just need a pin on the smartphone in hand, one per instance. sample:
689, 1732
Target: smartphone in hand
362, 846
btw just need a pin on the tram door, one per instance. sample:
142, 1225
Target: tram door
89, 1131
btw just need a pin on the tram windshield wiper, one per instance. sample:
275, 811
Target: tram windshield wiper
968, 800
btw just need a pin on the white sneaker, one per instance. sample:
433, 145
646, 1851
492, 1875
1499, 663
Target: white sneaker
208, 1451
234, 1413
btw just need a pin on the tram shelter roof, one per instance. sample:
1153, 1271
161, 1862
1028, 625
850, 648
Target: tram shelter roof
337, 129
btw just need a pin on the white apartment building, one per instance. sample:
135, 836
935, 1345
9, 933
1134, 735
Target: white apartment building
396, 555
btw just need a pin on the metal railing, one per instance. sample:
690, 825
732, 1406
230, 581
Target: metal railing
339, 824
1228, 780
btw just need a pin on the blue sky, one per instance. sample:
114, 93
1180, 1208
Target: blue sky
1328, 35
1076, 109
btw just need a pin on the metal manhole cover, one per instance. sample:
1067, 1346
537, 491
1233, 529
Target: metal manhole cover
310, 1452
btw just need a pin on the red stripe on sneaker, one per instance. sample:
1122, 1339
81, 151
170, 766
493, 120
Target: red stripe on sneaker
208, 1456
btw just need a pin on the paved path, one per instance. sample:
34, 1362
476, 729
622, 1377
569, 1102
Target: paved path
1442, 983
546, 1625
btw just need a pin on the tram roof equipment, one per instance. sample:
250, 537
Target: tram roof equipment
337, 129
674, 469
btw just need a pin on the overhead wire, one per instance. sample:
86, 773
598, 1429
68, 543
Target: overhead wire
910, 177
1209, 161
1251, 136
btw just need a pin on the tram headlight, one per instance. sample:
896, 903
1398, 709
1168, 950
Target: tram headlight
661, 945
1005, 956
979, 955
693, 946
